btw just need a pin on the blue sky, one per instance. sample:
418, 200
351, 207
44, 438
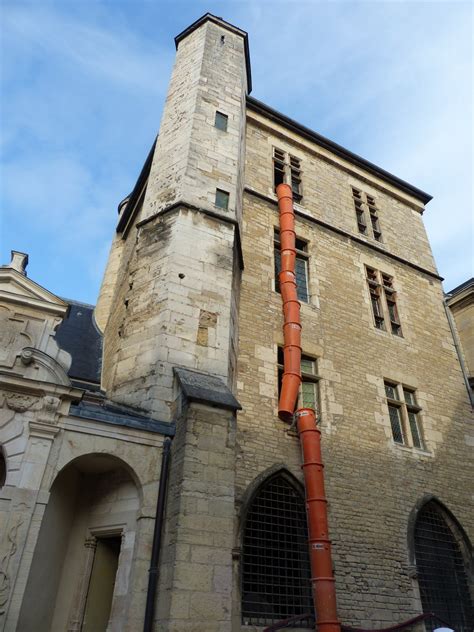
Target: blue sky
83, 85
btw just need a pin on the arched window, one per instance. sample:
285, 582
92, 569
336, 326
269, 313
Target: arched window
275, 564
441, 553
3, 468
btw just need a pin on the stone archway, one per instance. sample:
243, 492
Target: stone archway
82, 561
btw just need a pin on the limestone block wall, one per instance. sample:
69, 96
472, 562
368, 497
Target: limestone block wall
192, 157
172, 287
372, 484
109, 282
173, 309
196, 564
327, 195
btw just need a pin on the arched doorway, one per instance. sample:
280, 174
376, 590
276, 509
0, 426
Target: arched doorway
275, 559
79, 572
443, 557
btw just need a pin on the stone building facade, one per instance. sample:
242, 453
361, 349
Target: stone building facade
184, 345
460, 302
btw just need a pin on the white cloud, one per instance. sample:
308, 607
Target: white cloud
120, 56
389, 80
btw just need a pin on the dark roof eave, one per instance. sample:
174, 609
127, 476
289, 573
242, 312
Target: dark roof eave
137, 189
285, 121
230, 27
459, 288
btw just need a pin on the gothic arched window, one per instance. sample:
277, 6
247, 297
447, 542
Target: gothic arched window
441, 553
275, 563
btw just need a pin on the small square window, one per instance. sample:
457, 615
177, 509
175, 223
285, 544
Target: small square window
222, 199
221, 121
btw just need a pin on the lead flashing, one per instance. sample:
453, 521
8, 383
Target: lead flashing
206, 389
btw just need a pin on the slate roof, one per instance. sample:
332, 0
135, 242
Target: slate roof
78, 335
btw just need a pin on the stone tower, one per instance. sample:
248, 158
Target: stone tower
170, 292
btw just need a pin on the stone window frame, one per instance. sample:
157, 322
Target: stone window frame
287, 169
402, 399
82, 586
222, 199
238, 553
365, 203
312, 377
302, 257
383, 300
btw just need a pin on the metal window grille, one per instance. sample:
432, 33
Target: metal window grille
441, 569
415, 431
301, 273
276, 571
395, 422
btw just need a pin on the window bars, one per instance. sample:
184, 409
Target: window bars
287, 168
441, 570
383, 298
363, 201
276, 572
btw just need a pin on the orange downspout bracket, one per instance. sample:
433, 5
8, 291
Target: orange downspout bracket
322, 578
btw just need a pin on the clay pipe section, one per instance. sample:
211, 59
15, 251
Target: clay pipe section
291, 307
324, 590
322, 579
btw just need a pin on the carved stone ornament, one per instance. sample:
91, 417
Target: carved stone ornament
50, 409
26, 356
11, 547
12, 338
19, 402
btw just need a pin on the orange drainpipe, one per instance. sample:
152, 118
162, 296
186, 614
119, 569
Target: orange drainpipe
324, 589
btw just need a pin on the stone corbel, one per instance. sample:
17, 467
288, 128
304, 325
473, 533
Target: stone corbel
42, 430
50, 411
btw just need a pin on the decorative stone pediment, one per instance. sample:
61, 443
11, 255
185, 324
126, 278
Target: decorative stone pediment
29, 315
18, 289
